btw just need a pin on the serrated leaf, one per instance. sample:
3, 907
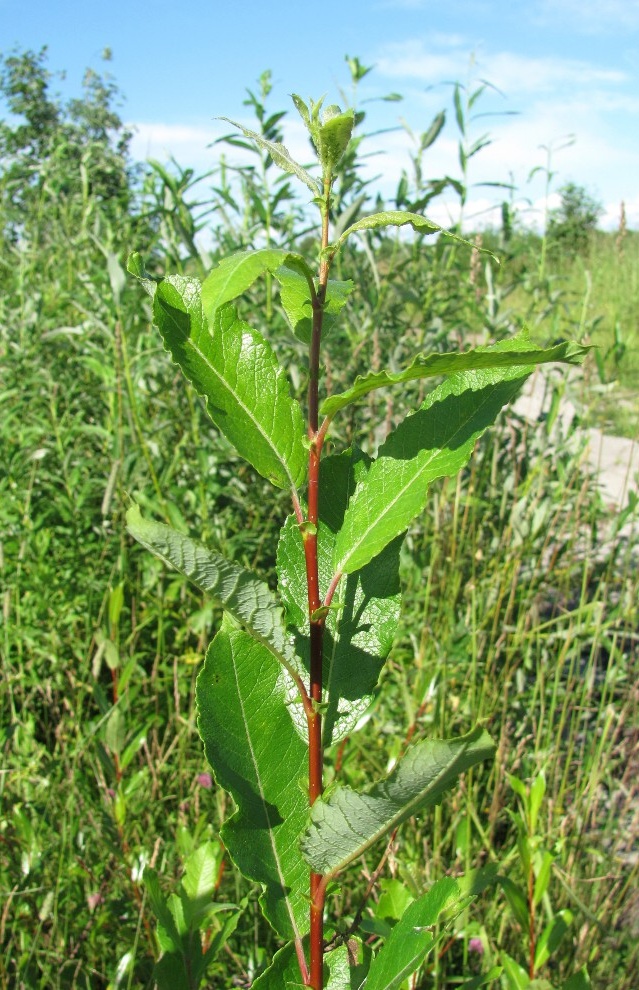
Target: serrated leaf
435, 442
237, 272
346, 823
241, 592
295, 297
249, 740
247, 392
431, 365
280, 156
399, 218
411, 939
359, 632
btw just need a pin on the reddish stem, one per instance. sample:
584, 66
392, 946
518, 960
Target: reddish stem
316, 623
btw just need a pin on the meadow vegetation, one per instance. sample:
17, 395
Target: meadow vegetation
520, 587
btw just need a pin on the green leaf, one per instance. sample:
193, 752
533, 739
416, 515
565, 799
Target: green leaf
247, 392
516, 976
115, 730
168, 935
517, 900
484, 979
399, 218
359, 632
537, 791
542, 875
344, 968
431, 365
200, 871
222, 936
345, 824
411, 939
295, 297
241, 592
237, 272
280, 156
334, 134
578, 981
433, 132
434, 442
249, 740
551, 937
135, 266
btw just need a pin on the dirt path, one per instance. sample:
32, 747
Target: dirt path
614, 460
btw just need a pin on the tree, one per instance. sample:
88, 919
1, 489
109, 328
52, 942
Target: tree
59, 160
574, 220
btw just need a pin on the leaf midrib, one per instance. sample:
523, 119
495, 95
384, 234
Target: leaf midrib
264, 802
341, 566
242, 405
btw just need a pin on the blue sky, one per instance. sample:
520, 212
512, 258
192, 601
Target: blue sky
567, 72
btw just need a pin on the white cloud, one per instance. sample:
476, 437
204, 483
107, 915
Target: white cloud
186, 143
510, 72
591, 16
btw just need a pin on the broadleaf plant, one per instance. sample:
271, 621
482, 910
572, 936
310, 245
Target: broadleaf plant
289, 675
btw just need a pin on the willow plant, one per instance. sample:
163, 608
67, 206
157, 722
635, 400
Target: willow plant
289, 675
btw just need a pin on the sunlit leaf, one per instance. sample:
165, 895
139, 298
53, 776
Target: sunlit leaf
432, 365
247, 392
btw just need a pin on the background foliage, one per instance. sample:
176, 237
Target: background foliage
521, 588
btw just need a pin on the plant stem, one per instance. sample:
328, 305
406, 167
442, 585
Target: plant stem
314, 719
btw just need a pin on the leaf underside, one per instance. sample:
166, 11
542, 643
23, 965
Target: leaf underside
249, 741
241, 592
346, 824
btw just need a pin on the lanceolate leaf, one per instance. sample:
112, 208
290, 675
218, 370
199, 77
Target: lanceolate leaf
434, 442
280, 156
247, 392
431, 365
237, 272
258, 757
399, 218
412, 938
345, 824
241, 592
360, 630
